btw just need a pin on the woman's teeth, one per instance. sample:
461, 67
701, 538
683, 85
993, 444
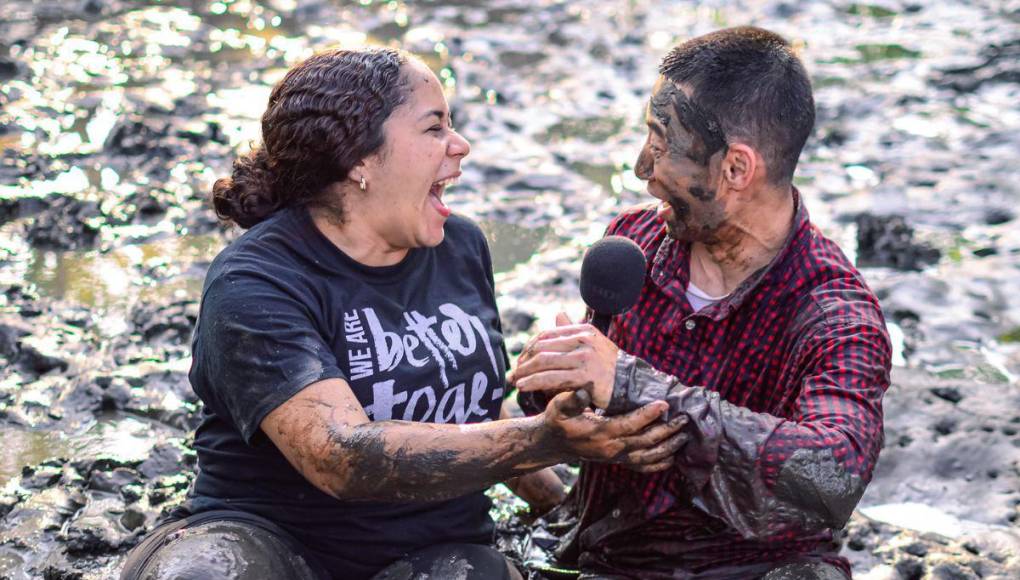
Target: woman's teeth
442, 184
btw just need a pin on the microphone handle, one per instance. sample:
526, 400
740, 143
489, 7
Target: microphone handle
601, 321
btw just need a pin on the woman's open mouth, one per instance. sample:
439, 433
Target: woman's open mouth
436, 194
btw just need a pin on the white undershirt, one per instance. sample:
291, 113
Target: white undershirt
699, 298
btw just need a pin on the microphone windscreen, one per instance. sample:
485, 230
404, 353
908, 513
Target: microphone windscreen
612, 275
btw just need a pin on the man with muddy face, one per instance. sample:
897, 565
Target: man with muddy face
682, 144
755, 329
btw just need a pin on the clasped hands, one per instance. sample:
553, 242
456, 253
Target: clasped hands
577, 364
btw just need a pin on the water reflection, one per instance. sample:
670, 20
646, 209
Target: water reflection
169, 268
122, 436
511, 244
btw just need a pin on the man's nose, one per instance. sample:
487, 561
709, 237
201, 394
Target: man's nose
643, 167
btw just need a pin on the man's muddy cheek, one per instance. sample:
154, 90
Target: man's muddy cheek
701, 193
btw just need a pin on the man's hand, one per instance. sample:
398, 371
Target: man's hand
567, 358
638, 439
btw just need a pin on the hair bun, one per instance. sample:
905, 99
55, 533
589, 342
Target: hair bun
247, 196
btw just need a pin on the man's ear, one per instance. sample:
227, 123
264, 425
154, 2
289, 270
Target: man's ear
739, 166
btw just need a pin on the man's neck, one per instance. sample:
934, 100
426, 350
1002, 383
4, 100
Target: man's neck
743, 246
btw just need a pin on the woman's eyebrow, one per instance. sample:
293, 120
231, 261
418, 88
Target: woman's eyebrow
436, 112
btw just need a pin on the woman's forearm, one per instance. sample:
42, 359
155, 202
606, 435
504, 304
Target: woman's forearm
409, 461
326, 435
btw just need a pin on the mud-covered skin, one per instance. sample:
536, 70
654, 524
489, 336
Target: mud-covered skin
405, 461
331, 442
698, 133
721, 460
677, 161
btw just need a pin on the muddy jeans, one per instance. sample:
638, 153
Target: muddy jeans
220, 545
230, 545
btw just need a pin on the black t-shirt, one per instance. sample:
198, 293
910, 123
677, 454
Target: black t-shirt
283, 308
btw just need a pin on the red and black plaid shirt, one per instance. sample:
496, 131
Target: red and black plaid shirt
803, 339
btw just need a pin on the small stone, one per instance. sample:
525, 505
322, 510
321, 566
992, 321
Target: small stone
165, 459
945, 426
951, 394
916, 549
949, 570
113, 481
515, 321
909, 568
40, 477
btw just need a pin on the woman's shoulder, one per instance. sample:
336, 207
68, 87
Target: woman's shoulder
269, 254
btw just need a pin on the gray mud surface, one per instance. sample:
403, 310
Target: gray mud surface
116, 116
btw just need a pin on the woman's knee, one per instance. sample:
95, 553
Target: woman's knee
222, 550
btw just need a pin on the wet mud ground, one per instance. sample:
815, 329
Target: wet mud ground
116, 116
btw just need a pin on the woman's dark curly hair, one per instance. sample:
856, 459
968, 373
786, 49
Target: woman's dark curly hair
324, 117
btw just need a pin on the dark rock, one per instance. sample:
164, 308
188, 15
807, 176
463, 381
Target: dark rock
40, 477
132, 492
888, 241
165, 459
909, 568
68, 224
494, 173
951, 394
137, 134
91, 8
945, 425
998, 64
916, 549
113, 481
999, 215
949, 570
59, 567
515, 321
10, 336
31, 359
116, 394
536, 182
96, 528
132, 519
8, 69
7, 503
169, 323
102, 463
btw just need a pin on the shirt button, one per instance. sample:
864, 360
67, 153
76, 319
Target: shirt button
616, 513
689, 325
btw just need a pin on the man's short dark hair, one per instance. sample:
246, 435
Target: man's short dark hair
753, 83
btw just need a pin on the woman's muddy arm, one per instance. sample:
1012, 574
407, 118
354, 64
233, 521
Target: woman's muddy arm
543, 489
326, 436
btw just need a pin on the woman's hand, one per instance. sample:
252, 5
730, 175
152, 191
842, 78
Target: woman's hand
638, 439
567, 358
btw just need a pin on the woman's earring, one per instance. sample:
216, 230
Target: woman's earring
362, 184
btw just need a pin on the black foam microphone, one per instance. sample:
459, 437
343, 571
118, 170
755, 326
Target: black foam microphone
612, 275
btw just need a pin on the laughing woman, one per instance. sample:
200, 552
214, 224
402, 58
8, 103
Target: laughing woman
349, 355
